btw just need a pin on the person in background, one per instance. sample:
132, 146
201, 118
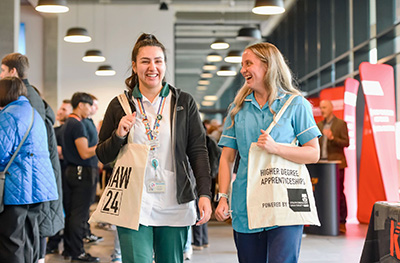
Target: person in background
51, 215
268, 85
200, 233
215, 129
188, 250
92, 140
62, 114
80, 176
335, 137
167, 119
29, 181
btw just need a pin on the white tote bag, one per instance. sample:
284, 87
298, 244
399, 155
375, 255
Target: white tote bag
279, 192
121, 200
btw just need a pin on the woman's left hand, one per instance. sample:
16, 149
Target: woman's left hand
205, 210
266, 142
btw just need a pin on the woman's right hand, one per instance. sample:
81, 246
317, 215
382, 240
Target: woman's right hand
222, 212
125, 124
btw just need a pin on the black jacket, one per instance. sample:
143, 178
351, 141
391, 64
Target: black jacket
188, 139
51, 215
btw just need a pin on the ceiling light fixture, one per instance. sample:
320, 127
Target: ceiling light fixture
203, 82
268, 7
201, 88
52, 6
249, 34
226, 71
105, 70
93, 55
219, 44
163, 6
234, 56
207, 103
211, 98
209, 67
214, 57
206, 75
77, 35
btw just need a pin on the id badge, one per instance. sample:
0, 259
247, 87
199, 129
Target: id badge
155, 186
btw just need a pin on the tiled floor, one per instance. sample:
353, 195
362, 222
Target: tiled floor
315, 249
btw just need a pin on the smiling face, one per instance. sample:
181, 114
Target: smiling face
63, 112
150, 67
253, 70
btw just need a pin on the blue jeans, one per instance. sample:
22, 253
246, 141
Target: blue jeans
278, 245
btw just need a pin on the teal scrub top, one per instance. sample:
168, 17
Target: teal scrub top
297, 121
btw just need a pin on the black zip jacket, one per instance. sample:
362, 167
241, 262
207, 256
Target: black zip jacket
188, 139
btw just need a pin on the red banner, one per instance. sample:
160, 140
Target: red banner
350, 180
344, 107
315, 108
378, 179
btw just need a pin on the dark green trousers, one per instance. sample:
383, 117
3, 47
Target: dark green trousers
166, 243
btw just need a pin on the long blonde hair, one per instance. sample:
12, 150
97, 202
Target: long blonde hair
277, 77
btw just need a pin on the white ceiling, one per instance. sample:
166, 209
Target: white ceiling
197, 24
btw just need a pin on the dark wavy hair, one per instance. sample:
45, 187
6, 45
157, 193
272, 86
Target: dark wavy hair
10, 89
143, 41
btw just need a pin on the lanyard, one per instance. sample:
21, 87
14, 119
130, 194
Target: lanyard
73, 115
152, 133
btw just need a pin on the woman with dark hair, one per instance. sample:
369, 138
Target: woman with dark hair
268, 86
29, 180
166, 119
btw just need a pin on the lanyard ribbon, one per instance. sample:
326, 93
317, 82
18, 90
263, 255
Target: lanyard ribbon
152, 133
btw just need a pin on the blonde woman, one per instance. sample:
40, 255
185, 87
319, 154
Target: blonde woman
268, 86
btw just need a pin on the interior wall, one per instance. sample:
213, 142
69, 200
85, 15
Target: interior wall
34, 44
114, 29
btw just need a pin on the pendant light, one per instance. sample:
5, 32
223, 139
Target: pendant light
211, 98
214, 57
77, 35
206, 75
226, 71
249, 34
234, 56
52, 6
268, 7
105, 70
203, 82
207, 103
209, 67
93, 55
163, 6
219, 44
201, 88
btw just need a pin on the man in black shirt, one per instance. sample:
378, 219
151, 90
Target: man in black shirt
80, 176
92, 140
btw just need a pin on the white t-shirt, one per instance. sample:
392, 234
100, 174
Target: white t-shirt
161, 209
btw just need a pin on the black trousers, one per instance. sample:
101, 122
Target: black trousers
19, 233
53, 241
77, 201
200, 235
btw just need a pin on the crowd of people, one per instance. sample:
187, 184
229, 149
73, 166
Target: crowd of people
190, 166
